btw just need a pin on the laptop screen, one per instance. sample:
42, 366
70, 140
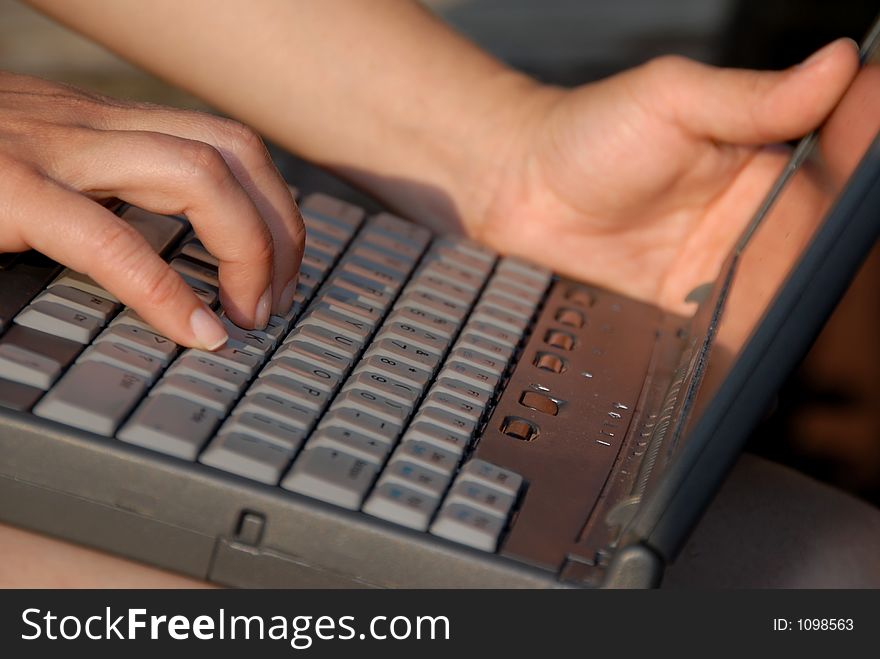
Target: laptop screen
769, 249
767, 290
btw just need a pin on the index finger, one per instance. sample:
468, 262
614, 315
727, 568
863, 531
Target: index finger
249, 161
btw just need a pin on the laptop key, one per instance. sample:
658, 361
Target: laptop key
25, 277
390, 243
361, 422
59, 320
331, 476
254, 341
84, 283
443, 400
411, 316
494, 333
444, 438
141, 339
206, 369
131, 317
425, 339
353, 326
34, 358
304, 394
465, 355
436, 305
469, 247
298, 369
266, 427
388, 386
446, 420
160, 231
197, 391
460, 260
500, 318
93, 396
470, 375
327, 226
373, 403
488, 347
485, 499
124, 357
87, 303
342, 286
468, 526
244, 455
341, 213
351, 442
277, 407
326, 339
342, 301
171, 425
505, 289
381, 256
443, 288
398, 369
405, 352
402, 505
197, 252
428, 456
198, 271
510, 264
351, 272
415, 476
480, 471
240, 360
17, 396
401, 229
464, 391
451, 272
333, 361
324, 241
516, 307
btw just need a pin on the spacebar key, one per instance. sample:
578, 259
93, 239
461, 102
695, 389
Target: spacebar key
93, 396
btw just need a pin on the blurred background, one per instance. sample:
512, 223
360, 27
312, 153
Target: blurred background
826, 421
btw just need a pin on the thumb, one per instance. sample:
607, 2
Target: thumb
758, 107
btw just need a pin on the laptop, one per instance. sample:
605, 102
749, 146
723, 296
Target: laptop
428, 414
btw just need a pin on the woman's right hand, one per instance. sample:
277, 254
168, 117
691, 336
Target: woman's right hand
62, 150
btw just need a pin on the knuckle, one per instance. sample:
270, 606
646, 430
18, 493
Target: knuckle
161, 287
264, 247
118, 242
298, 228
201, 164
242, 139
667, 67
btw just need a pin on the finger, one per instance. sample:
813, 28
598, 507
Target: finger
172, 175
87, 237
247, 158
755, 107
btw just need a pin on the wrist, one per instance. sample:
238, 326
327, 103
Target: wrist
495, 144
450, 156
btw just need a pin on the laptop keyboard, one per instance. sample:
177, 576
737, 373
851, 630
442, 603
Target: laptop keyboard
367, 394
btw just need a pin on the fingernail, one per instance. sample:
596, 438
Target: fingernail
285, 302
207, 328
261, 315
820, 54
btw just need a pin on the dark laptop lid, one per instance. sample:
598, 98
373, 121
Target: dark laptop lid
779, 285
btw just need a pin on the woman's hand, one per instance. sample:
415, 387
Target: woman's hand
643, 181
62, 149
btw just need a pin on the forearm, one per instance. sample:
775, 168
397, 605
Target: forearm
380, 91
